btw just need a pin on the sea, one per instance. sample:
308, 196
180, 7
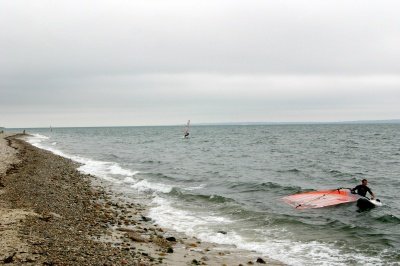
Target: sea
224, 184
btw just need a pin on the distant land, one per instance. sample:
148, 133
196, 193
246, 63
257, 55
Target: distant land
391, 121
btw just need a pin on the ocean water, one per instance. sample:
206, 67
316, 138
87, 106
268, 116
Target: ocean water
233, 178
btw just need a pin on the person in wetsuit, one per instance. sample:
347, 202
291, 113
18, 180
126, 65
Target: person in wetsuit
363, 189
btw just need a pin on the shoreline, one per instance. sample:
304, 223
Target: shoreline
63, 217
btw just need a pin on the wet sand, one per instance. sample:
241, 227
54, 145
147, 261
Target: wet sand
51, 214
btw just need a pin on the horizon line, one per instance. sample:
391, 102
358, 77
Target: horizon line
383, 121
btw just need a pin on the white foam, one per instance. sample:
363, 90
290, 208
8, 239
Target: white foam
285, 250
106, 170
194, 187
129, 179
116, 169
146, 186
39, 136
181, 220
36, 139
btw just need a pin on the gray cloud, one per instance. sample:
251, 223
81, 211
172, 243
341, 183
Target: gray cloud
151, 62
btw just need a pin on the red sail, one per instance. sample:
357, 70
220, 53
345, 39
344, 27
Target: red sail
321, 198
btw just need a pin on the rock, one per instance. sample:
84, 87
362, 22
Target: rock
195, 262
171, 239
124, 229
146, 219
161, 242
46, 217
10, 258
205, 258
260, 260
30, 259
170, 250
136, 237
222, 232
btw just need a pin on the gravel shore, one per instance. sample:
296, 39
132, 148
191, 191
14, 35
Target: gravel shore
51, 214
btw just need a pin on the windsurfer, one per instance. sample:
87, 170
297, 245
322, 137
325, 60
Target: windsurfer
363, 189
186, 130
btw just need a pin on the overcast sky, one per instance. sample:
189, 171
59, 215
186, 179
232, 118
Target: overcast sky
154, 62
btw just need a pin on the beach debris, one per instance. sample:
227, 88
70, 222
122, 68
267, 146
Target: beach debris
222, 232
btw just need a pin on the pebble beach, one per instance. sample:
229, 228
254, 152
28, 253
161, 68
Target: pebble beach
51, 214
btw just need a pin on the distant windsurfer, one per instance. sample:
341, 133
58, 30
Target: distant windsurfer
186, 130
363, 189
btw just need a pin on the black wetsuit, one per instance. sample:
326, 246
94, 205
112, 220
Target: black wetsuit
361, 190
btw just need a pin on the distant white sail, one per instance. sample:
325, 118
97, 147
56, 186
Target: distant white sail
186, 130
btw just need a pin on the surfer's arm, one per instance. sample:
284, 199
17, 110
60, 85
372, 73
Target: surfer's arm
372, 194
